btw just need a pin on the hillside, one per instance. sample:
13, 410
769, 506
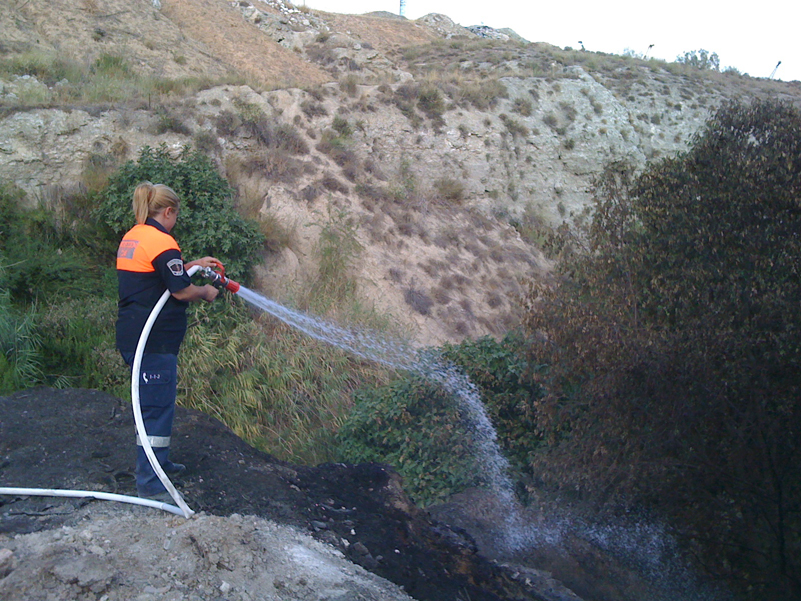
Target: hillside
452, 152
434, 161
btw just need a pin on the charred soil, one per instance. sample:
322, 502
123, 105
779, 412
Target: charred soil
83, 440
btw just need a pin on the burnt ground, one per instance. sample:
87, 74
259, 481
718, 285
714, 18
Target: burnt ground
84, 440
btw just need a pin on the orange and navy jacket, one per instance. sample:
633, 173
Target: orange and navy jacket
148, 263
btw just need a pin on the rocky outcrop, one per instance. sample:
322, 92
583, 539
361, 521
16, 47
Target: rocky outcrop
488, 33
445, 27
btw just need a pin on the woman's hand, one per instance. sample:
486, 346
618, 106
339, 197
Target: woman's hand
205, 262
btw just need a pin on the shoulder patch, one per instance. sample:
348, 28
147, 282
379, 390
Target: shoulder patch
127, 248
176, 267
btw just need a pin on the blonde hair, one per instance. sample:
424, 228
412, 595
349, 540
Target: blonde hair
149, 199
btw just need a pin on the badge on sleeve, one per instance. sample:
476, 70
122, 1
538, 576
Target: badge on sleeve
176, 267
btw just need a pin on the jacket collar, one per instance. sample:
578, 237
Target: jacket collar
156, 224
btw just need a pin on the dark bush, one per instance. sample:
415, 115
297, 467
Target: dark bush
312, 108
41, 259
676, 378
513, 126
430, 101
450, 189
340, 149
282, 137
227, 123
342, 126
329, 182
57, 291
418, 300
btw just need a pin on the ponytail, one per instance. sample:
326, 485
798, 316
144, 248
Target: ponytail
149, 199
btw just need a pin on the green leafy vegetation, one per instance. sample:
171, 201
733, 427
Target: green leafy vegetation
675, 385
421, 431
20, 360
49, 331
209, 223
416, 427
279, 389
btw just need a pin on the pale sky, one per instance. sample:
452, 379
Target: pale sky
751, 36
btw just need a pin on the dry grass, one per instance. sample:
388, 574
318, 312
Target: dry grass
418, 300
385, 35
332, 184
449, 189
246, 49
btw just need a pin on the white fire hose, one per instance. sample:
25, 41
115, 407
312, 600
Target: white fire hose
182, 508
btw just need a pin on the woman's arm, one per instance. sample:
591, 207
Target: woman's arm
195, 293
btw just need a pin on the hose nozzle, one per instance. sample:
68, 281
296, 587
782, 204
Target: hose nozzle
219, 279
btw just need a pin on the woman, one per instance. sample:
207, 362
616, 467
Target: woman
148, 263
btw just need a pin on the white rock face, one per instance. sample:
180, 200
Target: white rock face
119, 554
533, 155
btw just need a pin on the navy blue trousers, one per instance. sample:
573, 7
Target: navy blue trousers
158, 379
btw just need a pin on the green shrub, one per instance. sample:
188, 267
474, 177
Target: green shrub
337, 250
54, 273
20, 361
209, 224
42, 261
47, 68
342, 126
415, 427
112, 66
502, 373
420, 430
431, 102
78, 347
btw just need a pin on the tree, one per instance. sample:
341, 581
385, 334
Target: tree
700, 59
675, 346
